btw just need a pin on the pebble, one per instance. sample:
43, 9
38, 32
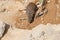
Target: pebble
48, 1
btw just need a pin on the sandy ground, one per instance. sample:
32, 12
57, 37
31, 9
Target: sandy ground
13, 14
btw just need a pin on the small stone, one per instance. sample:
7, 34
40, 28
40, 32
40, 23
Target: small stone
26, 0
48, 1
24, 12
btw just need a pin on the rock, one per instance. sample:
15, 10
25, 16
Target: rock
17, 34
40, 32
2, 28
